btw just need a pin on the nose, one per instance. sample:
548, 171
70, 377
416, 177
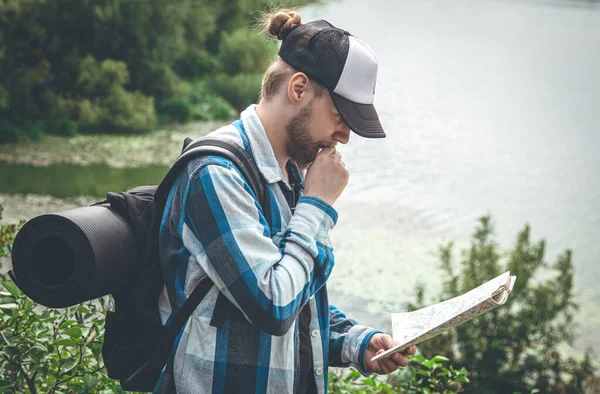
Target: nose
342, 135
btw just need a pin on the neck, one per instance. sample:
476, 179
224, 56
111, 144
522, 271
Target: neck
271, 117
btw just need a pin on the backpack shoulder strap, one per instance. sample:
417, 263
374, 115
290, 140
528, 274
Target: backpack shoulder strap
205, 147
243, 161
247, 166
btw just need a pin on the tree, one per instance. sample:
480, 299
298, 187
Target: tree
515, 347
46, 47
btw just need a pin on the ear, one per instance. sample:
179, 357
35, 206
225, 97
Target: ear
298, 88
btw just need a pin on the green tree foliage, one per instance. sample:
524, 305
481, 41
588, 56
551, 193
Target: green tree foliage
243, 51
105, 64
513, 348
239, 90
107, 102
65, 127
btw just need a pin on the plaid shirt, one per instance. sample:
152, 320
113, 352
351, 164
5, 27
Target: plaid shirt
243, 337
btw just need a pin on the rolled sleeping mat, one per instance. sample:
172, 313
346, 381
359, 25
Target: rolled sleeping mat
66, 258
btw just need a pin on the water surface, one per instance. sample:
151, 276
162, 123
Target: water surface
491, 107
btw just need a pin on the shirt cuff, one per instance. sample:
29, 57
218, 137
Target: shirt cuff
315, 218
355, 346
325, 207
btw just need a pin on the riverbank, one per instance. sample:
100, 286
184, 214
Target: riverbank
158, 147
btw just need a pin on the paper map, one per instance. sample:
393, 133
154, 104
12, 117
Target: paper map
410, 328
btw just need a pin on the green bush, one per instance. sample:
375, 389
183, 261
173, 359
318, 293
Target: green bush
119, 111
59, 107
49, 71
513, 348
240, 90
33, 132
175, 109
159, 81
198, 103
9, 133
48, 350
97, 79
197, 64
4, 98
221, 109
7, 234
51, 350
65, 127
12, 133
421, 376
206, 104
213, 108
130, 110
109, 106
243, 51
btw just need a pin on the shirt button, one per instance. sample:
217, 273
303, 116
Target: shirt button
319, 371
315, 333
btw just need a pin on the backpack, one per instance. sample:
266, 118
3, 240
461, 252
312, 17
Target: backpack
136, 344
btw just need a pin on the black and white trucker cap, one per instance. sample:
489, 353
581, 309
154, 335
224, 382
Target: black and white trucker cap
342, 63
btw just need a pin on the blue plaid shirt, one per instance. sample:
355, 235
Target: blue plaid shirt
243, 337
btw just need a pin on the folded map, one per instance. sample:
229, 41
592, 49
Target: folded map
411, 328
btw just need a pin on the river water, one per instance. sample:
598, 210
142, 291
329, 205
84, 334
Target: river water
491, 107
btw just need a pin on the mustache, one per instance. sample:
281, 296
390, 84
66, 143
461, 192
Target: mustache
323, 145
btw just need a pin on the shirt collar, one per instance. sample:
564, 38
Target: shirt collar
261, 147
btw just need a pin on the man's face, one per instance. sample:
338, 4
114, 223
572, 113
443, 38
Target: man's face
316, 126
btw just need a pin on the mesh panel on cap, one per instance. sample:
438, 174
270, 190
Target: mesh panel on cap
317, 49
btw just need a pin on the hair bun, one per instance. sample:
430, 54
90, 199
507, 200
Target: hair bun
283, 22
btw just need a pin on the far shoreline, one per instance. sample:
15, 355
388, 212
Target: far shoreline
160, 146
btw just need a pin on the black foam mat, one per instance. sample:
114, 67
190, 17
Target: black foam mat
65, 258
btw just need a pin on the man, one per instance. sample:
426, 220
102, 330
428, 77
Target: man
266, 325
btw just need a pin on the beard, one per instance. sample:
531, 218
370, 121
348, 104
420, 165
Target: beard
301, 147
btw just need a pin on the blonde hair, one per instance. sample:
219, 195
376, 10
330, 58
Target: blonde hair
280, 24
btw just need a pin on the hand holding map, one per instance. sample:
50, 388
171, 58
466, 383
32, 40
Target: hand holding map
411, 328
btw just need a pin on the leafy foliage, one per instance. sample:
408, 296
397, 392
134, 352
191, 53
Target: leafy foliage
421, 376
49, 350
102, 64
240, 90
65, 127
243, 51
7, 234
513, 348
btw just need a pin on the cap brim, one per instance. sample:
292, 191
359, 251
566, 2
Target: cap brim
360, 118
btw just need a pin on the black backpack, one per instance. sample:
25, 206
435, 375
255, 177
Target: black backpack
136, 344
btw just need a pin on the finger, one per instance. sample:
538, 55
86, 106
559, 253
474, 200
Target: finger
410, 350
386, 341
385, 367
400, 359
389, 364
381, 369
377, 366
